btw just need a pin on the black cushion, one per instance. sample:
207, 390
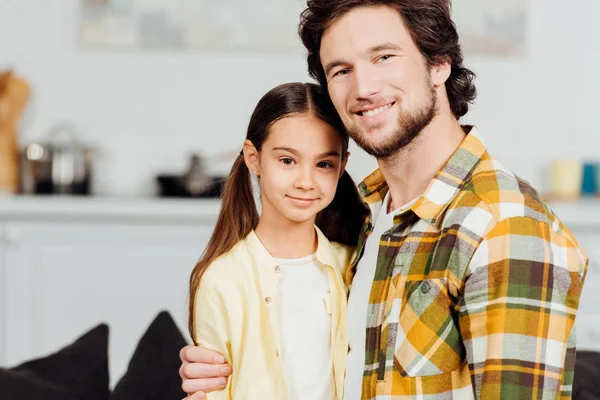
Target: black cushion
153, 372
586, 381
79, 371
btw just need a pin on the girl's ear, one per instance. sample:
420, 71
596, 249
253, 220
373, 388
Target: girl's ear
251, 158
344, 162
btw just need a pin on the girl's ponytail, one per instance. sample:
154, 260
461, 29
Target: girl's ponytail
238, 216
342, 220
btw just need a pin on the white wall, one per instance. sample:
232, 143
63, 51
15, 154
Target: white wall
147, 111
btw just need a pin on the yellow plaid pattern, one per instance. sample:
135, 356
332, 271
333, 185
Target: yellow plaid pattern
476, 289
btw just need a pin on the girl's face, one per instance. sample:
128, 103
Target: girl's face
299, 166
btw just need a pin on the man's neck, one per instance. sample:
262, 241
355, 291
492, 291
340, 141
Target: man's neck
411, 169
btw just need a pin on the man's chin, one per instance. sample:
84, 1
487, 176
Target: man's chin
376, 139
381, 153
379, 147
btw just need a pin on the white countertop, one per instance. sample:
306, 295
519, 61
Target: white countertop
583, 213
25, 207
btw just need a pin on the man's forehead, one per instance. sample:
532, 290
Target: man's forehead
365, 30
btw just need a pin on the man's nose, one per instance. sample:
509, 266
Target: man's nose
367, 82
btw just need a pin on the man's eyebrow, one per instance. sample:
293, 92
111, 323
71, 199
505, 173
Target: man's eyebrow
332, 65
384, 46
379, 47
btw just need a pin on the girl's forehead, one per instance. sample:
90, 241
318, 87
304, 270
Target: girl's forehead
304, 129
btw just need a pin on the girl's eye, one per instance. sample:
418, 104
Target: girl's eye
287, 161
325, 164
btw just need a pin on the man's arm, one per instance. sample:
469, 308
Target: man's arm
202, 371
520, 298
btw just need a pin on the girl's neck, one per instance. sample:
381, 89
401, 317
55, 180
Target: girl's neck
287, 239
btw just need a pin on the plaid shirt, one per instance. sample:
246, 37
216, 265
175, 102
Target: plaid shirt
475, 291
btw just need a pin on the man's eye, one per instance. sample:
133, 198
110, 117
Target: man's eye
384, 57
342, 72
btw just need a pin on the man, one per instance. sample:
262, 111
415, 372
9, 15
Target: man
466, 285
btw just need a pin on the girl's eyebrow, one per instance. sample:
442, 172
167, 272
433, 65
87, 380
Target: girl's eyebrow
288, 149
294, 151
329, 154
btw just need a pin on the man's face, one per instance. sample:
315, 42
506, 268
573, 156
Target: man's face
378, 79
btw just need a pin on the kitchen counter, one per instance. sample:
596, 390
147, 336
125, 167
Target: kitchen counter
578, 214
69, 263
584, 213
52, 207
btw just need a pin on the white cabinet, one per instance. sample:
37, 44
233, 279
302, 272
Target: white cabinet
64, 272
3, 284
67, 265
583, 219
588, 316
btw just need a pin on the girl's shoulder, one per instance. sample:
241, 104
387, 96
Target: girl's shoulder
343, 256
343, 252
343, 249
227, 266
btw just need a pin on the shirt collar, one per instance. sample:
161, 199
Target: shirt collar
325, 252
442, 189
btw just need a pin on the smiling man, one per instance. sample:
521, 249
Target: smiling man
465, 284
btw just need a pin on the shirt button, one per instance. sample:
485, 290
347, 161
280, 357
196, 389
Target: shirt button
277, 353
424, 287
277, 268
268, 299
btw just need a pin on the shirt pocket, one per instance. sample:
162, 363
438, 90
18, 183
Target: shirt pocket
428, 341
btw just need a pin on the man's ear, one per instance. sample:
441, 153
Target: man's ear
440, 73
251, 157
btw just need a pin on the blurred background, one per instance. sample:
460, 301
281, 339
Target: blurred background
119, 119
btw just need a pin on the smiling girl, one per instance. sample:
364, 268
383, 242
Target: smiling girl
268, 292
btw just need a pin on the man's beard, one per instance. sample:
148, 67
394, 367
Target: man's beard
409, 127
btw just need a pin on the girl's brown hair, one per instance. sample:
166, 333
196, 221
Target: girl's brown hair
340, 221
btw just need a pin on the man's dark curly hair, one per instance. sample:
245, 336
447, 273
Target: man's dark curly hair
429, 23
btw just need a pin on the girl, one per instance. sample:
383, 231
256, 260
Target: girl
268, 291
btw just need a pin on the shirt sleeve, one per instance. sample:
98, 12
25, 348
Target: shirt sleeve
211, 330
520, 297
350, 255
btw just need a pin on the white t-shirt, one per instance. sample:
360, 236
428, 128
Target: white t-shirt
304, 323
358, 301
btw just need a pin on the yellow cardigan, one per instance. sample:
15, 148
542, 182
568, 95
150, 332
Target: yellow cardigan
235, 315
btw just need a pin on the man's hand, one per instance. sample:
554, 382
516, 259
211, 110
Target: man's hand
202, 371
